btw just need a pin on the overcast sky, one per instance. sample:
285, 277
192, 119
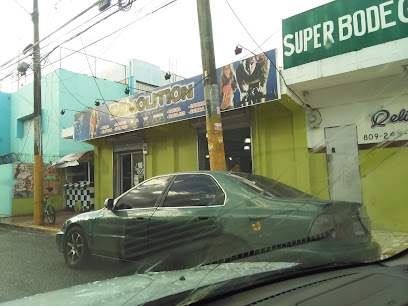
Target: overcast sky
168, 38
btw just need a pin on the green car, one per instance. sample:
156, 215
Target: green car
182, 220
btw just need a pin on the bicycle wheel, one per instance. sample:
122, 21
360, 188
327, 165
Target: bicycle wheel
51, 214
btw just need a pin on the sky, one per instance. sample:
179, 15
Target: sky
168, 37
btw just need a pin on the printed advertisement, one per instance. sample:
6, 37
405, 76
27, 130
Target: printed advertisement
241, 84
23, 175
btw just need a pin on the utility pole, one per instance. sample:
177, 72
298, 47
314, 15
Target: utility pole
38, 160
212, 108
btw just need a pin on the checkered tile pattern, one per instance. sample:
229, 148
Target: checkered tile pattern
83, 192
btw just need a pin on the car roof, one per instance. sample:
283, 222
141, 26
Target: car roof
215, 174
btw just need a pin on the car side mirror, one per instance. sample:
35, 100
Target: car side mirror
109, 204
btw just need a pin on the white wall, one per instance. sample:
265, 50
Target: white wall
356, 103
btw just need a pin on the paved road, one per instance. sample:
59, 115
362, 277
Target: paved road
31, 264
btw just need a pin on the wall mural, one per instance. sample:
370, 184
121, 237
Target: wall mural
23, 175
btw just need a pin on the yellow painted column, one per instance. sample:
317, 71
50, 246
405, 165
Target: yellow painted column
38, 190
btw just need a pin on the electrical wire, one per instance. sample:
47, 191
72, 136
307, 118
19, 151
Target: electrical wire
20, 59
15, 1
96, 83
277, 70
61, 27
106, 36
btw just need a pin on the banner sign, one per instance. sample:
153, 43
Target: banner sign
340, 27
241, 84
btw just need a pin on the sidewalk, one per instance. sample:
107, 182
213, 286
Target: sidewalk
27, 222
391, 242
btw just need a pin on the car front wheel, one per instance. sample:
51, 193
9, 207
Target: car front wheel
76, 251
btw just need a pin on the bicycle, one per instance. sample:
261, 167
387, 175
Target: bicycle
49, 210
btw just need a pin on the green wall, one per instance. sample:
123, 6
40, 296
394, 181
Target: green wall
172, 148
26, 206
383, 181
280, 144
384, 177
319, 182
103, 171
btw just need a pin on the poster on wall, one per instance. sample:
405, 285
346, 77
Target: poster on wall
23, 175
241, 84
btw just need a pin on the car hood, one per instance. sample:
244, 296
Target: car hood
187, 285
85, 216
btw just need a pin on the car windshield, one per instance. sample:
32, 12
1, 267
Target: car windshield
177, 151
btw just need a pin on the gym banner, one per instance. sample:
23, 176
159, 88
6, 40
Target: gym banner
243, 83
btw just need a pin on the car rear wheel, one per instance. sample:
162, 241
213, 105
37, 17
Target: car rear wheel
76, 252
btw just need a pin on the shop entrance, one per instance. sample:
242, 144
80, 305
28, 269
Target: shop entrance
130, 170
343, 167
237, 146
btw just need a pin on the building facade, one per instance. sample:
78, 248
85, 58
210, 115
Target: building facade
347, 60
62, 91
334, 128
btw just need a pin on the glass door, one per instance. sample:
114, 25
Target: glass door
130, 171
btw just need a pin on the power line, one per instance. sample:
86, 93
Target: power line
22, 7
31, 47
25, 51
104, 37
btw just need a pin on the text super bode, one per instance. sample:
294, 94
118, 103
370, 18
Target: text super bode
358, 24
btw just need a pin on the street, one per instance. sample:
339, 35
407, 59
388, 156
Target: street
31, 264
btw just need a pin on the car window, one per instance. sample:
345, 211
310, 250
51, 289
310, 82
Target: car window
194, 190
144, 195
268, 187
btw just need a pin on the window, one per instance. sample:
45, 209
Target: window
144, 195
194, 190
29, 127
77, 173
268, 187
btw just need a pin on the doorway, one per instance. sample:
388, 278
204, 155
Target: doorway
237, 146
343, 166
130, 171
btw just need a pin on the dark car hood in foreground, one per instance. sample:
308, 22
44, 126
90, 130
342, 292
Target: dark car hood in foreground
150, 287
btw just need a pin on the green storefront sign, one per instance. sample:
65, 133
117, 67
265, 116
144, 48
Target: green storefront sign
342, 26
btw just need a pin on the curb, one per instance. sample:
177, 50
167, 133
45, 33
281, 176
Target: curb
34, 228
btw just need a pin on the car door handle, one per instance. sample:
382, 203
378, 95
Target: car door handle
139, 218
203, 218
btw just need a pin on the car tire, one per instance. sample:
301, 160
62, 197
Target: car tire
76, 252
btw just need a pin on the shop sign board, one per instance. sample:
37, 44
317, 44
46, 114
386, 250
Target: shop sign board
241, 84
388, 123
340, 27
